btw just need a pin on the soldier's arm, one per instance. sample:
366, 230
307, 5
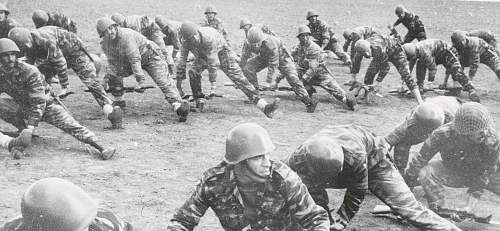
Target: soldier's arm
474, 61
430, 148
325, 35
346, 45
245, 54
397, 22
489, 164
187, 217
133, 56
356, 64
427, 61
54, 55
383, 62
398, 134
176, 42
355, 194
181, 66
37, 100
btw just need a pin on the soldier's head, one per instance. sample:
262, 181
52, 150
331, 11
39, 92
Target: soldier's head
303, 34
40, 18
210, 12
245, 24
428, 117
189, 31
161, 21
107, 28
347, 34
248, 147
473, 120
4, 12
363, 47
255, 37
312, 16
411, 51
22, 37
8, 52
400, 11
57, 204
459, 38
119, 19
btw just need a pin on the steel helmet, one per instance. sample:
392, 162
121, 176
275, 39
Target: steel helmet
210, 9
429, 116
347, 34
118, 18
324, 156
21, 36
458, 36
57, 204
189, 29
311, 13
161, 21
4, 8
400, 9
410, 50
40, 18
244, 22
303, 29
471, 118
255, 35
7, 45
245, 141
103, 24
363, 47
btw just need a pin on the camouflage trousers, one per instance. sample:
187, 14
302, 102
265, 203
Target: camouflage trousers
154, 64
287, 69
411, 35
435, 175
85, 70
452, 65
230, 67
491, 59
397, 57
320, 76
199, 65
334, 47
55, 114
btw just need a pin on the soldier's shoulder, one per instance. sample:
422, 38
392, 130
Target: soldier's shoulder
445, 131
215, 173
283, 173
11, 22
26, 67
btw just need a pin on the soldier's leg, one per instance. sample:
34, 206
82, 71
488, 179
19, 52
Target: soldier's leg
195, 78
453, 67
115, 84
335, 48
327, 82
288, 70
388, 185
158, 70
11, 113
401, 155
398, 59
492, 60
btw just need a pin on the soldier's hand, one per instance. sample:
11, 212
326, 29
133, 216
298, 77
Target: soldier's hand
338, 223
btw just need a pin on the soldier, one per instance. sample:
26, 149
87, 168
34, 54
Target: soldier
473, 50
383, 49
6, 23
54, 50
325, 37
273, 54
485, 35
351, 36
171, 30
32, 101
248, 191
42, 18
412, 22
352, 157
429, 53
54, 204
209, 48
213, 21
419, 124
313, 71
470, 150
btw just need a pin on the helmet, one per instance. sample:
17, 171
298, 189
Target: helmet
245, 141
189, 29
429, 116
311, 13
472, 117
161, 21
255, 35
458, 36
362, 46
118, 18
57, 204
244, 22
324, 155
4, 8
7, 45
347, 33
40, 18
20, 36
400, 9
210, 9
103, 24
303, 29
410, 50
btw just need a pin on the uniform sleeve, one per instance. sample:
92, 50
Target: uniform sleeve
474, 60
356, 65
37, 98
398, 134
212, 61
188, 216
399, 21
381, 59
55, 56
427, 61
181, 66
355, 193
430, 148
325, 35
346, 45
133, 56
490, 164
174, 37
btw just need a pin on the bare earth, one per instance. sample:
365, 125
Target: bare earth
160, 159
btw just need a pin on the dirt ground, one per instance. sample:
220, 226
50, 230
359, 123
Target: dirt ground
160, 159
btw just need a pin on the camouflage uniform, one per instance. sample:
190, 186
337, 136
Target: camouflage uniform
485, 35
282, 203
463, 163
247, 51
365, 167
105, 220
323, 34
385, 49
208, 52
171, 30
313, 71
54, 50
60, 20
432, 52
31, 103
409, 133
274, 55
478, 51
216, 23
128, 54
6, 25
361, 32
414, 25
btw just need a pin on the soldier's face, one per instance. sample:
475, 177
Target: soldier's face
8, 59
478, 137
303, 38
260, 165
401, 15
246, 27
112, 32
313, 19
210, 16
3, 16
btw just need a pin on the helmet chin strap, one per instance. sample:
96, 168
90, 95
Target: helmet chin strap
245, 175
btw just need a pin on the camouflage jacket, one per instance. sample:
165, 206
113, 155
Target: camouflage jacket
216, 23
430, 53
485, 35
60, 20
476, 161
171, 30
412, 22
104, 221
126, 52
143, 25
308, 55
248, 51
363, 150
27, 86
470, 54
409, 132
360, 32
5, 27
208, 46
283, 203
272, 52
321, 32
381, 47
